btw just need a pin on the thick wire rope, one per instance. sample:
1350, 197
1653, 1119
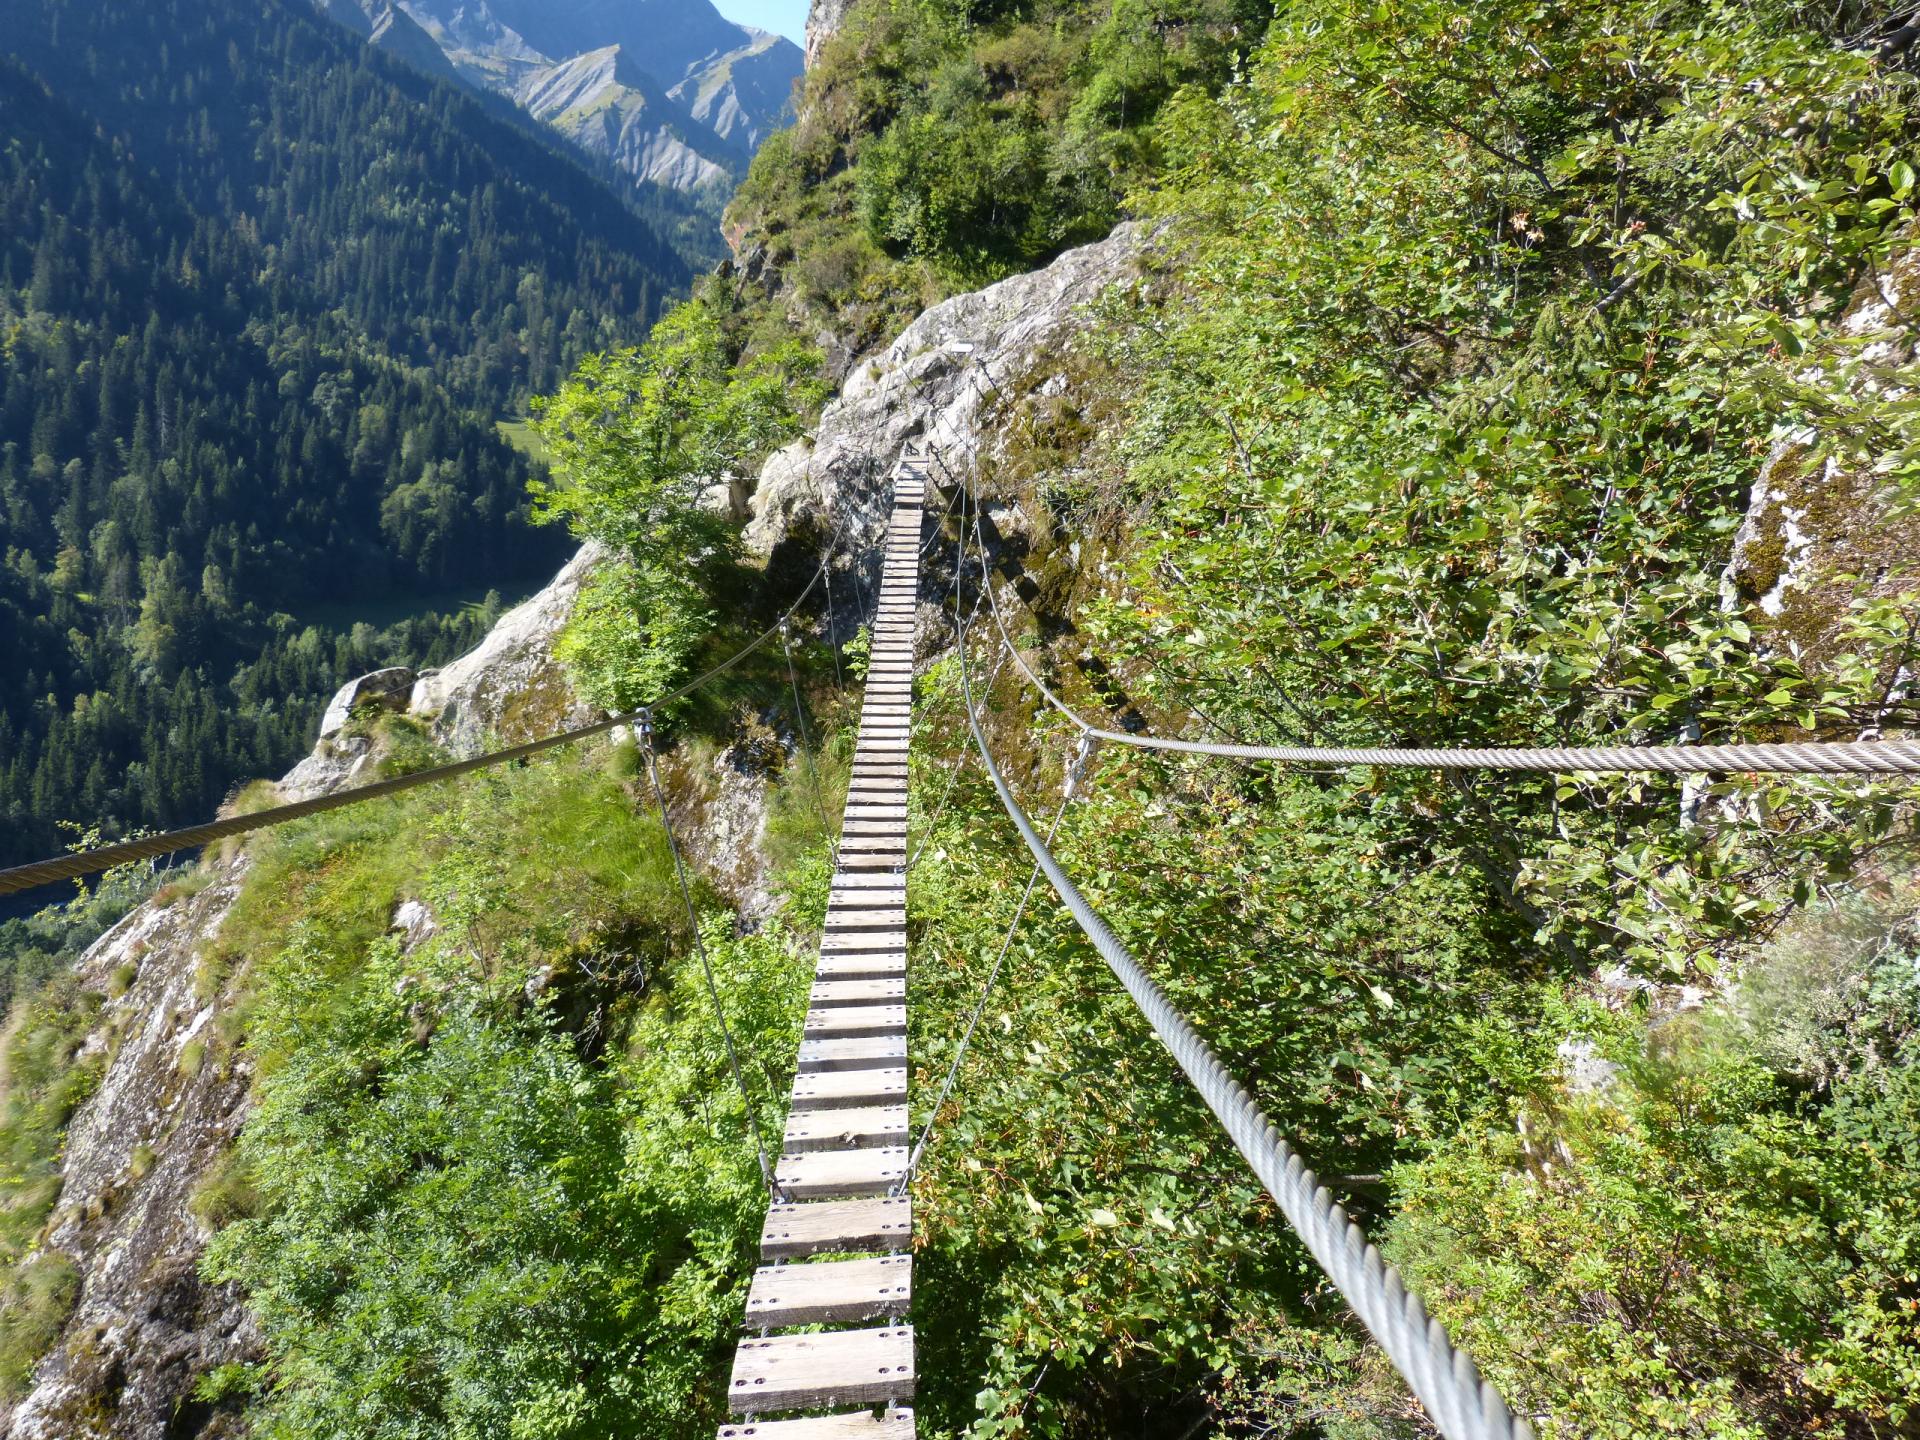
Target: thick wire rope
643, 724
149, 847
1463, 1405
1852, 757
806, 753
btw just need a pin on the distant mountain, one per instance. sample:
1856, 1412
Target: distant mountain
670, 91
264, 295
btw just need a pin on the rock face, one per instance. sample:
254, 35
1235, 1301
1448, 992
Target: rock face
824, 18
1814, 524
929, 386
669, 90
146, 1327
510, 686
386, 689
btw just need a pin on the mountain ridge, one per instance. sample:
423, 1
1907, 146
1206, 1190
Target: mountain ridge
681, 97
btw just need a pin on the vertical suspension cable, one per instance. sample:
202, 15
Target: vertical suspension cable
806, 749
833, 634
643, 723
1076, 769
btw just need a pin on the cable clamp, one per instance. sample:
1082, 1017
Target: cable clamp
1083, 753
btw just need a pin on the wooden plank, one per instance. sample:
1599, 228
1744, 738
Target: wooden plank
890, 864
861, 967
856, 992
867, 910
849, 1128
821, 1174
861, 1425
843, 905
856, 942
876, 1287
871, 1052
865, 919
807, 1372
851, 1089
813, 1371
846, 1022
864, 881
847, 896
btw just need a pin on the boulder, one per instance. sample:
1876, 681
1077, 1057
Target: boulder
388, 689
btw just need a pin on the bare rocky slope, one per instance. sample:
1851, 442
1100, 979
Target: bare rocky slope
670, 91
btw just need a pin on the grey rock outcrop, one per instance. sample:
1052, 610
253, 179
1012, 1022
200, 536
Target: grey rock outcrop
146, 1326
510, 686
1820, 534
930, 385
387, 689
824, 19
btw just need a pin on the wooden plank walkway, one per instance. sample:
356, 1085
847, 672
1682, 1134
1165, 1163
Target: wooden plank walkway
838, 1250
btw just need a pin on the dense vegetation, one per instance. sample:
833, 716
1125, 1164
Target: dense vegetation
942, 144
1483, 321
263, 295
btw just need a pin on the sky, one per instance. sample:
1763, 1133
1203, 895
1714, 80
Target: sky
784, 17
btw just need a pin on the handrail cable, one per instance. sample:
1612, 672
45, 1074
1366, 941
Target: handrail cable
643, 724
833, 633
1823, 757
1463, 1405
149, 847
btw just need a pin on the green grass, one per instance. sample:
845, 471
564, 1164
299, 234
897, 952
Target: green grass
523, 437
382, 612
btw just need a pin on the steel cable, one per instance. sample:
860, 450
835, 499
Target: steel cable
148, 847
1854, 757
644, 723
1463, 1405
1075, 771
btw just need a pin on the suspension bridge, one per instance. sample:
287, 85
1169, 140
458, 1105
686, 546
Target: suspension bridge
827, 1351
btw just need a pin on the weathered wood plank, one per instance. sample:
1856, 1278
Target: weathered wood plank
872, 1052
867, 920
856, 992
861, 1425
855, 1089
875, 1287
846, 1129
857, 942
838, 1367
823, 1174
861, 966
840, 906
863, 881
846, 1022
